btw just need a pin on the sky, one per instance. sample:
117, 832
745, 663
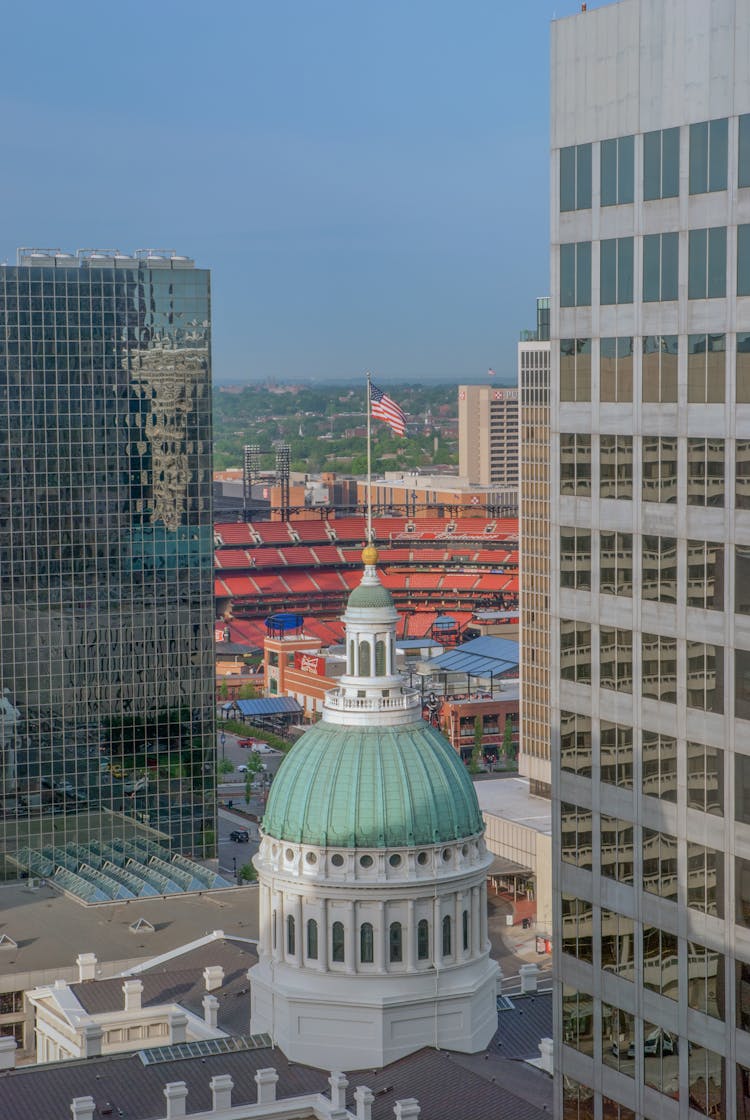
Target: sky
367, 181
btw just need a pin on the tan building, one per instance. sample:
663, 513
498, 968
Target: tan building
534, 496
441, 495
488, 435
296, 666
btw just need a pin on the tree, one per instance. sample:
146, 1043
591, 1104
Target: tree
224, 691
247, 873
248, 692
476, 754
508, 747
254, 767
225, 766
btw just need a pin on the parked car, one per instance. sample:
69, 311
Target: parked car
262, 748
245, 742
240, 836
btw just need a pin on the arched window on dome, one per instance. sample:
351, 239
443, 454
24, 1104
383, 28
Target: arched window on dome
395, 941
337, 943
290, 935
447, 950
423, 939
380, 658
312, 939
366, 943
364, 659
466, 930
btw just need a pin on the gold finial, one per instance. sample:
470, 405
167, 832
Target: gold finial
369, 555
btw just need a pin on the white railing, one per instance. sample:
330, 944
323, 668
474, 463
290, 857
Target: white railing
342, 701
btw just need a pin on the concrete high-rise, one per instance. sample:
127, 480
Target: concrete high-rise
488, 435
650, 516
106, 556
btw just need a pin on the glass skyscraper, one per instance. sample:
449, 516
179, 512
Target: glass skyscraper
106, 554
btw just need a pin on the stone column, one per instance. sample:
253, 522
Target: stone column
350, 939
411, 937
278, 910
475, 894
295, 909
323, 935
378, 937
458, 951
264, 919
483, 916
437, 934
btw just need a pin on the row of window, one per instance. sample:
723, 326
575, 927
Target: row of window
707, 267
704, 673
704, 481
705, 566
708, 165
367, 939
620, 1037
706, 368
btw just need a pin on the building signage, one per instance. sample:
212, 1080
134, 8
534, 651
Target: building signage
310, 663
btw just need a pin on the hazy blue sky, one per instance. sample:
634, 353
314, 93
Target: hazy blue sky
367, 181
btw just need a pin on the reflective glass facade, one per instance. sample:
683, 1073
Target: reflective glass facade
106, 556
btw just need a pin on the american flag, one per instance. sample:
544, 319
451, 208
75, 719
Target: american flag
383, 408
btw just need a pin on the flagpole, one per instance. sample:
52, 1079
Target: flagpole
369, 462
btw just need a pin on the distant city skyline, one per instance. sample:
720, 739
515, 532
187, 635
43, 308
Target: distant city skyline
369, 186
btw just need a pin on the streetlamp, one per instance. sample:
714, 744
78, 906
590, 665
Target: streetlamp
234, 867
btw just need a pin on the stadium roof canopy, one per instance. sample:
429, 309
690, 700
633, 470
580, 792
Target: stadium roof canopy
481, 657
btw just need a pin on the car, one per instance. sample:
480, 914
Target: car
262, 748
241, 769
240, 836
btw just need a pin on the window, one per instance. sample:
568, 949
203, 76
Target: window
708, 156
659, 369
705, 885
366, 943
11, 1003
742, 474
578, 1020
660, 864
575, 369
618, 1039
618, 951
742, 793
742, 892
616, 754
616, 659
659, 572
616, 369
617, 175
707, 263
742, 579
575, 177
364, 659
706, 1089
575, 274
575, 743
447, 950
616, 270
616, 848
705, 472
743, 177
575, 558
576, 845
575, 464
743, 368
743, 260
705, 677
616, 467
659, 766
423, 939
706, 988
465, 930
577, 928
661, 164
659, 668
290, 939
578, 1100
616, 563
660, 469
575, 651
705, 575
660, 267
659, 1049
660, 962
705, 779
394, 941
380, 658
742, 683
312, 939
337, 943
706, 364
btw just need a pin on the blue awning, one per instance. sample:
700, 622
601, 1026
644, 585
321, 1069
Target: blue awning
482, 657
271, 706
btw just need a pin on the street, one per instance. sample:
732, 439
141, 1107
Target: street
231, 787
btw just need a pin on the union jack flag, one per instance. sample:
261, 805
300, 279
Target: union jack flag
383, 408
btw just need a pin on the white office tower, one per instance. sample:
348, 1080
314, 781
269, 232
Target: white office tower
650, 516
372, 868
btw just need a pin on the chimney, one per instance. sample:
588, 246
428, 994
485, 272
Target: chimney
221, 1090
546, 1060
132, 990
7, 1052
92, 1040
407, 1110
87, 963
211, 1011
266, 1080
177, 1028
82, 1108
363, 1098
339, 1084
213, 974
176, 1095
529, 974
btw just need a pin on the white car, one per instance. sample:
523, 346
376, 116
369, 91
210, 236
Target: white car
262, 748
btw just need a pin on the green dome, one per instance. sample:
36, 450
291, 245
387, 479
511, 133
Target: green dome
372, 787
370, 595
